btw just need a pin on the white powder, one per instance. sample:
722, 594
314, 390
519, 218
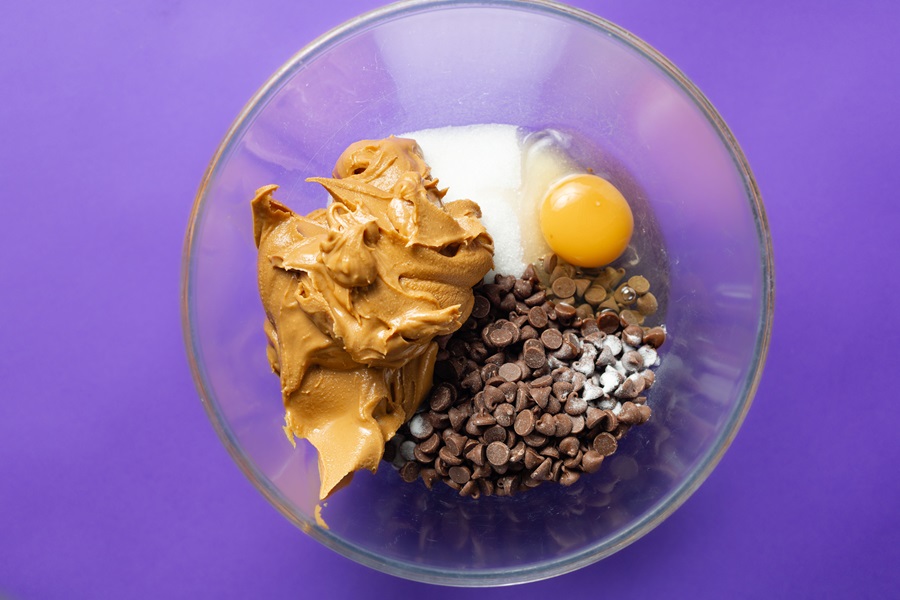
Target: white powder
507, 173
482, 163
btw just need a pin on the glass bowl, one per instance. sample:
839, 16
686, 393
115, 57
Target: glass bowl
701, 231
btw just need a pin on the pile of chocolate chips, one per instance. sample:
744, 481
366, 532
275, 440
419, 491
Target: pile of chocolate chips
531, 389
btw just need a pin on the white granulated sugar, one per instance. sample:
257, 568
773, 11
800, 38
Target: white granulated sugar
482, 163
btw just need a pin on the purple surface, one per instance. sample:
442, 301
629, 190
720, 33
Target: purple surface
113, 482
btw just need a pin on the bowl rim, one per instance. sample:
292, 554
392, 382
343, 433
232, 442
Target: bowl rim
545, 569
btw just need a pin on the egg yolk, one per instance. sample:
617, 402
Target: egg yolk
586, 220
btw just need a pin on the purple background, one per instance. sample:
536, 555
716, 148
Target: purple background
112, 481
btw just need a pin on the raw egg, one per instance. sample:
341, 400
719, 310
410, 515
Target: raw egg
586, 220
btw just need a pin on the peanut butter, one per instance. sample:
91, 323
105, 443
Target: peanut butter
355, 294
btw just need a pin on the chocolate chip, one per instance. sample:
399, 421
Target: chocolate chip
535, 439
430, 445
593, 416
608, 322
578, 380
555, 470
630, 388
482, 420
528, 333
552, 339
562, 388
595, 295
536, 299
546, 425
505, 282
494, 434
524, 423
550, 309
509, 390
569, 445
574, 461
517, 452
629, 415
481, 307
422, 456
522, 289
632, 361
476, 454
512, 372
550, 263
563, 425
591, 461
606, 357
541, 396
410, 472
497, 453
512, 328
448, 458
633, 335
655, 337
537, 317
489, 372
492, 396
429, 476
460, 474
508, 304
496, 359
523, 398
470, 489
577, 424
630, 317
504, 414
575, 405
551, 451
480, 471
620, 431
566, 353
542, 381
604, 444
645, 413
584, 311
542, 471
611, 422
563, 287
500, 337
530, 273
639, 284
609, 304
533, 353
458, 417
554, 405
647, 304
420, 427
532, 458
442, 397
472, 382
569, 477
581, 286
565, 312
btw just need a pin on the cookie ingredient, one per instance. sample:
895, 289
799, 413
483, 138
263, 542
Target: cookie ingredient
355, 294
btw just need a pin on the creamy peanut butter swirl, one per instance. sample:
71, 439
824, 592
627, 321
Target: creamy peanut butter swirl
356, 293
